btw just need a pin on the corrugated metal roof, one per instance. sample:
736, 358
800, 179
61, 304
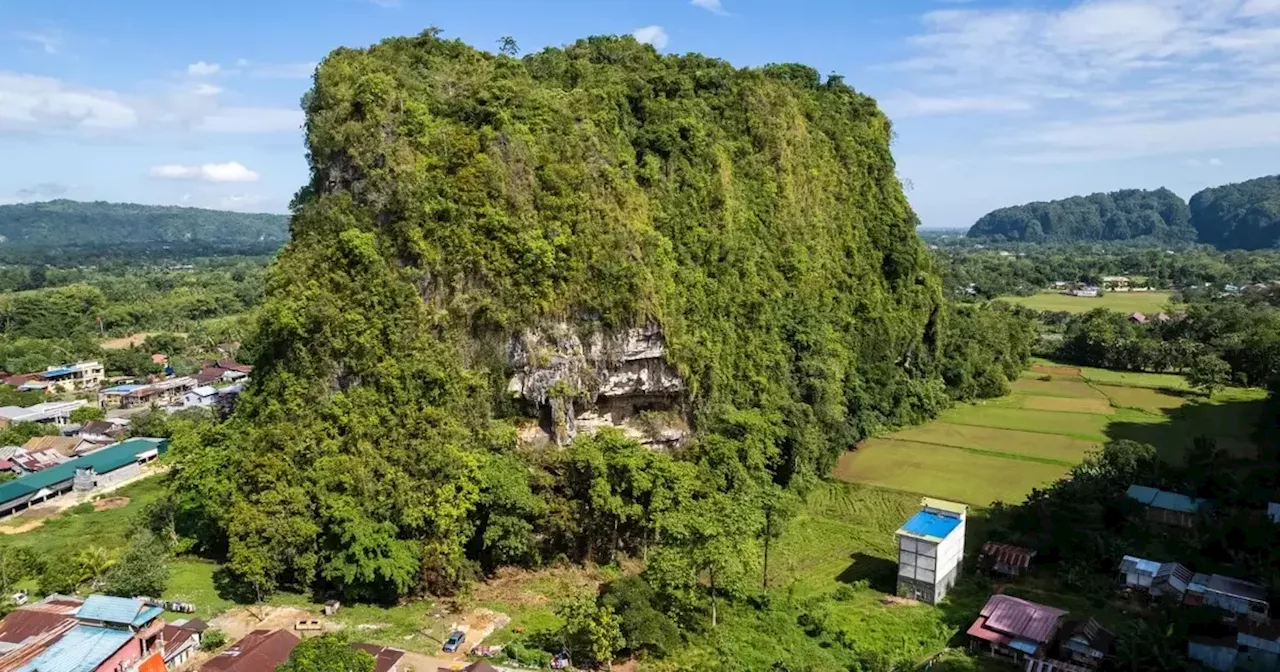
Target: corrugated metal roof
54, 373
102, 461
110, 609
82, 649
1142, 493
930, 525
1139, 565
1174, 501
1237, 588
1021, 618
1015, 556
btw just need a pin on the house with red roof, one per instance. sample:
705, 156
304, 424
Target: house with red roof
1010, 627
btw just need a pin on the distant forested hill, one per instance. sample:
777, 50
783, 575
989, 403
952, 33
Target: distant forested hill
1244, 215
1119, 215
106, 227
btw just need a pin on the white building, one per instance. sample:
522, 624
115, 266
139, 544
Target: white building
72, 377
201, 397
930, 550
56, 412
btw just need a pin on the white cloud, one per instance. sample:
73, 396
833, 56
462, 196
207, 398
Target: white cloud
202, 69
1215, 162
31, 102
1107, 78
251, 120
50, 41
712, 6
283, 71
232, 171
654, 35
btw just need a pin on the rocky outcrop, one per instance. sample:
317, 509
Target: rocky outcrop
603, 377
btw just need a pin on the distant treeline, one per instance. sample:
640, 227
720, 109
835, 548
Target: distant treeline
55, 231
1245, 215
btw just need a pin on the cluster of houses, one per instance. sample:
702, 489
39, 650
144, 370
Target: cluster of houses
85, 472
218, 384
101, 633
1043, 638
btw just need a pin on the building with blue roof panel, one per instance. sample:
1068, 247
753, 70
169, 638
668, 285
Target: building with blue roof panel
1169, 508
930, 550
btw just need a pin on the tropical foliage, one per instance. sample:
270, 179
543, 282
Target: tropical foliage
1120, 215
1244, 215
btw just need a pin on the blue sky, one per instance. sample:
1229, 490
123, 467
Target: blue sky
995, 102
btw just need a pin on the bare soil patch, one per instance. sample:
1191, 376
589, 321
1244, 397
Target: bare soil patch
895, 601
108, 503
241, 621
28, 520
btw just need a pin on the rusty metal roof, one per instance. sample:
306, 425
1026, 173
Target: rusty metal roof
1021, 618
1014, 556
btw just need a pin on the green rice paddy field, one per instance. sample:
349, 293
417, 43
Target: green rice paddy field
1124, 302
1000, 449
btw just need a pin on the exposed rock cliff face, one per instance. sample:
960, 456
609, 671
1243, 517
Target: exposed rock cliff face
583, 381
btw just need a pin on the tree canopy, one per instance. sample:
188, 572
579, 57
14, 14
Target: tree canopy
458, 198
1159, 214
1244, 215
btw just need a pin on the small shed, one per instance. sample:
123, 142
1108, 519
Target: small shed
331, 607
1005, 559
1086, 642
1138, 317
1138, 572
1259, 645
1171, 581
1215, 653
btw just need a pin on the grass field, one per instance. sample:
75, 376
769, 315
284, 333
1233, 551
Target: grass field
999, 449
1123, 302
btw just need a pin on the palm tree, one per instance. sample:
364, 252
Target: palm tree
94, 562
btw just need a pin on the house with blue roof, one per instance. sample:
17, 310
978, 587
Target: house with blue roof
111, 634
1167, 508
930, 550
71, 377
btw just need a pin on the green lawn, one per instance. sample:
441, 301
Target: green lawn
1124, 302
1076, 425
1062, 449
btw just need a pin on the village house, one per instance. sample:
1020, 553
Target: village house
1005, 559
1116, 282
201, 397
1089, 292
109, 634
67, 446
162, 393
1138, 317
1009, 627
227, 397
86, 473
74, 377
1168, 508
1234, 596
259, 650
930, 550
49, 412
385, 658
180, 640
103, 431
1255, 646
1167, 579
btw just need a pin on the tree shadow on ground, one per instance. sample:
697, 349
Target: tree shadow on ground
1231, 424
879, 573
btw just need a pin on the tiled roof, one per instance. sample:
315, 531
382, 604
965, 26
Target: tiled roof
1021, 619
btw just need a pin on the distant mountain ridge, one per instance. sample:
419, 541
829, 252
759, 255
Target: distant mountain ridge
1243, 215
1158, 214
77, 224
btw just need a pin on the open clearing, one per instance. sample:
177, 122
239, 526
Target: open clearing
1123, 302
999, 449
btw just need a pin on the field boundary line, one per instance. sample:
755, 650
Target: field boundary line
1094, 438
990, 453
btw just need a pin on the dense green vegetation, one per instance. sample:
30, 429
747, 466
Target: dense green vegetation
1244, 215
64, 228
459, 198
1028, 269
1158, 215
